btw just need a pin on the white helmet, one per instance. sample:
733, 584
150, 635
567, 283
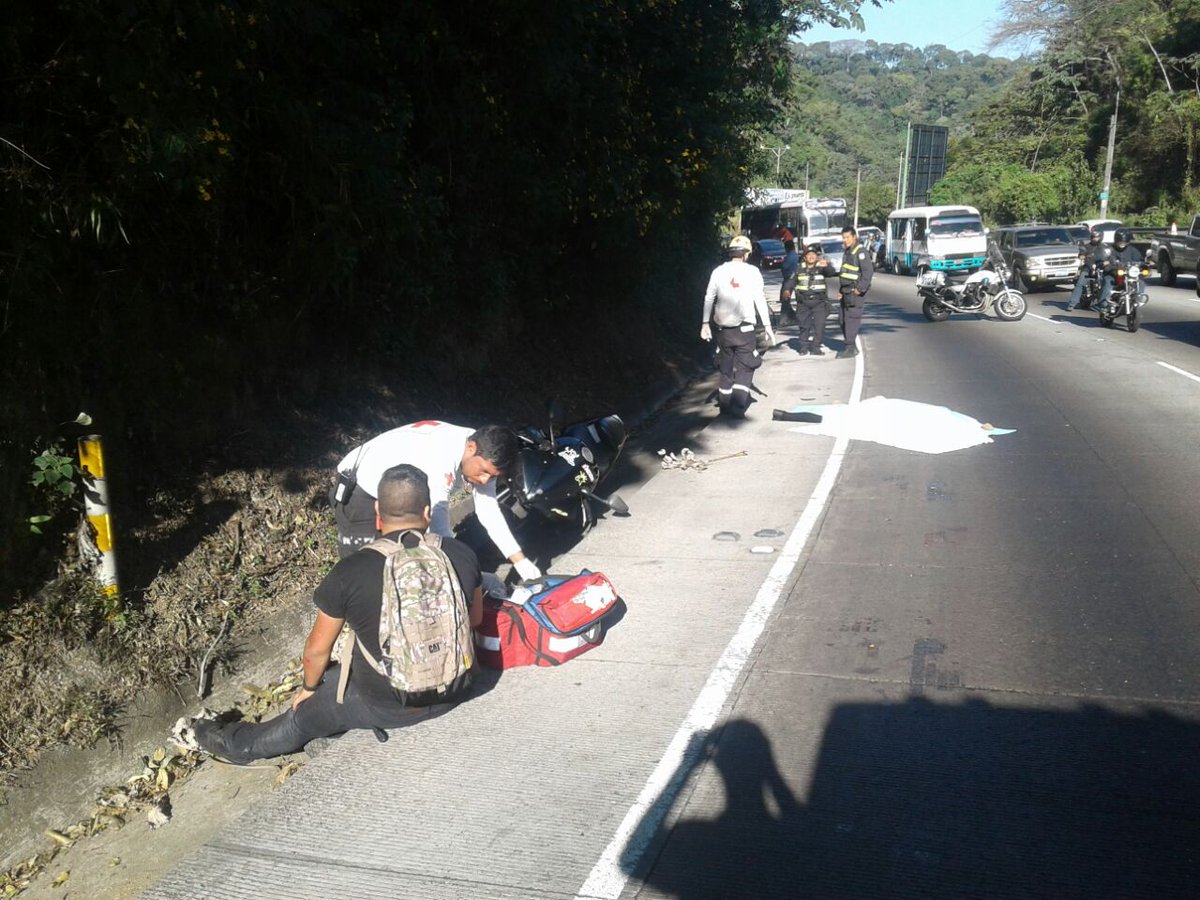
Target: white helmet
740, 242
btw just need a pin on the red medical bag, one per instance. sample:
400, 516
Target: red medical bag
561, 617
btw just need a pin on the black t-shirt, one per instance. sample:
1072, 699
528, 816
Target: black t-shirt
353, 590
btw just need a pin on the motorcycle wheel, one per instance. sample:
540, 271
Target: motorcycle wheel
1009, 305
1133, 320
934, 311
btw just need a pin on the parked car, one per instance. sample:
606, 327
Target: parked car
1040, 256
768, 253
1177, 254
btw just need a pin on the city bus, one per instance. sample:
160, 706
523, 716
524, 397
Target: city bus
803, 215
935, 237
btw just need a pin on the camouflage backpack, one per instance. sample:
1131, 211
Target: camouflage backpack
424, 627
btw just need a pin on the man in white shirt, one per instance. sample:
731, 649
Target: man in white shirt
454, 458
733, 299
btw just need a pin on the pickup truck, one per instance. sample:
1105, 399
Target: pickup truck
1178, 254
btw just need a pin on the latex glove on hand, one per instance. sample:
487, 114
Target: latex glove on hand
705, 332
527, 569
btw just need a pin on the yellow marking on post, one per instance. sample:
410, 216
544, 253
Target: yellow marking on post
103, 526
91, 456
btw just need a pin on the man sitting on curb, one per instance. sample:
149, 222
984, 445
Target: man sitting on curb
352, 593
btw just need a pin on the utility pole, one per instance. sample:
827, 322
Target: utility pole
857, 192
904, 167
899, 180
778, 151
1112, 139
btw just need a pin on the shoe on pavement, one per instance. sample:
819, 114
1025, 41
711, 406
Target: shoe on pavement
816, 351
802, 351
847, 352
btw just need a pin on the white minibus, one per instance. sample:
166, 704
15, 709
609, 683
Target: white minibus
950, 238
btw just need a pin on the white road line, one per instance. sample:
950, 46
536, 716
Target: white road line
1179, 371
608, 878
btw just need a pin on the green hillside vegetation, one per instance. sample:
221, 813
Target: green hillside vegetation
1038, 150
850, 103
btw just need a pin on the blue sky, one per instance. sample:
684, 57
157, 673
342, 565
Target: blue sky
959, 25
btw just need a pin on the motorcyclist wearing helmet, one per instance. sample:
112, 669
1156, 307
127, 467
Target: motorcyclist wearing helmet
733, 300
1092, 254
1123, 256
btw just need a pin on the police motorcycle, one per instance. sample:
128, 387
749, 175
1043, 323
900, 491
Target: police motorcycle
557, 473
944, 294
1127, 298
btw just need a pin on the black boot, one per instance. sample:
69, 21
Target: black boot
244, 742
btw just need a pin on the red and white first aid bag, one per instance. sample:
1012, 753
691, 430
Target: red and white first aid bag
546, 623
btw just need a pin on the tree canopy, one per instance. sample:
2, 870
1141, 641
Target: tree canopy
1038, 151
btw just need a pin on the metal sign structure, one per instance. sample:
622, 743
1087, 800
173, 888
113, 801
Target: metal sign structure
925, 162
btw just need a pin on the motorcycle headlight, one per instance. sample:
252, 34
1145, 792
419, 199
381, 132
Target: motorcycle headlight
1145, 273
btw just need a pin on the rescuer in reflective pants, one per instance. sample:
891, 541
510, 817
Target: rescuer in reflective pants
855, 278
812, 298
732, 301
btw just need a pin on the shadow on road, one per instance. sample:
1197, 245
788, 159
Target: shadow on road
1184, 332
923, 799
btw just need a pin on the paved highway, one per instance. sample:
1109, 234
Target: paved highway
985, 679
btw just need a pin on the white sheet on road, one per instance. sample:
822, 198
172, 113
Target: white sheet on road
906, 424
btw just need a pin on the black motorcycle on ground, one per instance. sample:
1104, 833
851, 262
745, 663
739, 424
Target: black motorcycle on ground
557, 472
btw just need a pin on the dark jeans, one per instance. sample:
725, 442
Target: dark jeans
318, 716
355, 520
786, 313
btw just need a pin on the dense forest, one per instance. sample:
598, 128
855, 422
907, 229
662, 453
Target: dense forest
850, 103
1039, 149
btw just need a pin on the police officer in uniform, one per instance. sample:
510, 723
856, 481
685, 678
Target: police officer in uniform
855, 278
733, 299
812, 298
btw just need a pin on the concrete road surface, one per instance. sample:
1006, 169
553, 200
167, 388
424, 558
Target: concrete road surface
846, 670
